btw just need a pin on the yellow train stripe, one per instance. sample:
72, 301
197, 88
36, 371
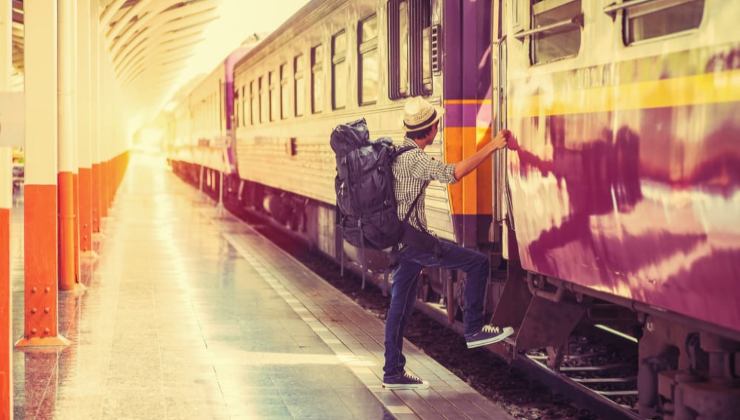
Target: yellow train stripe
705, 88
468, 102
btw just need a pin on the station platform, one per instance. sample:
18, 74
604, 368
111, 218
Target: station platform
191, 314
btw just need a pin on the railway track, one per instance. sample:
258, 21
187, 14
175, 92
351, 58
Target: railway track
597, 373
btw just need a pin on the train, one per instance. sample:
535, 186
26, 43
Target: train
617, 202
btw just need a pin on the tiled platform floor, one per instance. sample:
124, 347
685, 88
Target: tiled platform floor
189, 314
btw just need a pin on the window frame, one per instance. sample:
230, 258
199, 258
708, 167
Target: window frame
366, 47
336, 62
284, 91
243, 101
626, 7
254, 102
273, 83
421, 38
299, 77
317, 68
264, 99
532, 32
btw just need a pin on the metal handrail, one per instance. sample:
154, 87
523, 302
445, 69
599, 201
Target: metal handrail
613, 8
577, 20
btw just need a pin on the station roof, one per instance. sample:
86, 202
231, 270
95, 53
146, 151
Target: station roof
150, 40
154, 46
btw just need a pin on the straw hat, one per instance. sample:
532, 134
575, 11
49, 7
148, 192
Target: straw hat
419, 114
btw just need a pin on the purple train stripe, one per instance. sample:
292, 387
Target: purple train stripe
468, 113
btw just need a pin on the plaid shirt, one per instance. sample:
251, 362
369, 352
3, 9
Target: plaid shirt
412, 172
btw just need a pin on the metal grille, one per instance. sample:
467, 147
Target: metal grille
394, 50
436, 62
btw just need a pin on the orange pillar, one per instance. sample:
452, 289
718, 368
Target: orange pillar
85, 125
86, 211
40, 208
6, 304
67, 277
76, 203
67, 156
96, 116
104, 180
96, 197
6, 204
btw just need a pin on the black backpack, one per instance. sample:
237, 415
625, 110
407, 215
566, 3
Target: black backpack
366, 202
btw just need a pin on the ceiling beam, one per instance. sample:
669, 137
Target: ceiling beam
108, 13
156, 21
161, 35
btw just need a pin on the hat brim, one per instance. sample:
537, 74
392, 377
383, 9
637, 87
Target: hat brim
440, 113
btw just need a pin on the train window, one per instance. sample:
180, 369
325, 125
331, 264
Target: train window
556, 30
237, 107
254, 96
243, 98
274, 98
424, 22
410, 48
299, 85
264, 100
235, 120
368, 60
339, 70
221, 114
317, 79
659, 18
284, 91
398, 47
403, 43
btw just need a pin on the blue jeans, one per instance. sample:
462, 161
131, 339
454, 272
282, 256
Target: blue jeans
404, 289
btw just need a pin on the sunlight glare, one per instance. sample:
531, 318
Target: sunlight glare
238, 19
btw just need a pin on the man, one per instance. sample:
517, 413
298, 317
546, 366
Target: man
412, 172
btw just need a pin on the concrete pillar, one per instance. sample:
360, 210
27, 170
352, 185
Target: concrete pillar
95, 75
85, 43
6, 205
40, 209
97, 115
67, 157
108, 135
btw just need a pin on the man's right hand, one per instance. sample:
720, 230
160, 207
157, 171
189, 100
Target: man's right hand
499, 142
466, 165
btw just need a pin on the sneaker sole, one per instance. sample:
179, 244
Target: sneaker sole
492, 340
405, 386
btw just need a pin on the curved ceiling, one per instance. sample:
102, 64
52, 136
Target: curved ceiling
156, 45
149, 41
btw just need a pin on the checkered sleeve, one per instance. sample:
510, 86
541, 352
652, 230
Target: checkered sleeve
424, 167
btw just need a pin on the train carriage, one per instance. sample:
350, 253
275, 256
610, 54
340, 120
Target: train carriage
628, 142
201, 140
336, 61
624, 182
616, 205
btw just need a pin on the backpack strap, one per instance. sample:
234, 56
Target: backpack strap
401, 150
414, 203
396, 247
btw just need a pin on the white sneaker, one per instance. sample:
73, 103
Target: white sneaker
489, 334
